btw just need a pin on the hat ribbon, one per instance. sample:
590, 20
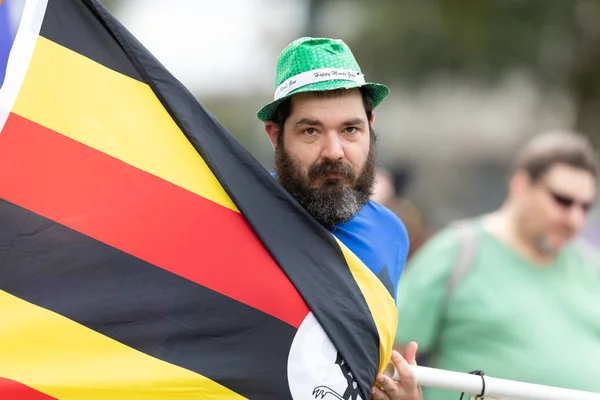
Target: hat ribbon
317, 75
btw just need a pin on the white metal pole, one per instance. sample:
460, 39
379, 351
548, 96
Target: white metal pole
494, 387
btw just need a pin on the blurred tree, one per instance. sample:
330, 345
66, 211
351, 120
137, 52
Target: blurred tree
557, 41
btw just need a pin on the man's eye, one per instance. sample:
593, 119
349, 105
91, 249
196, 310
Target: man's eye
351, 130
310, 131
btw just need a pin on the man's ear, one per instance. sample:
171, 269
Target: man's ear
372, 121
272, 130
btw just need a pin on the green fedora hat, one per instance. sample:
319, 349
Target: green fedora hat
314, 65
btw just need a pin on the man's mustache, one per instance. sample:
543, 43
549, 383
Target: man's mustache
331, 168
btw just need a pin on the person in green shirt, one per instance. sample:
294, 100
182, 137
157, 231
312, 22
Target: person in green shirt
514, 293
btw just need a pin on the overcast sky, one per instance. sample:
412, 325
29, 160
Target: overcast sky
216, 46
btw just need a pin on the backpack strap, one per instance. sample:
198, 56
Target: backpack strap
467, 235
466, 232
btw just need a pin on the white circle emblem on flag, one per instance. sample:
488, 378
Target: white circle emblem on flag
315, 368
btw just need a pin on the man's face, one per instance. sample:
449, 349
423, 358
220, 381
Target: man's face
324, 155
554, 209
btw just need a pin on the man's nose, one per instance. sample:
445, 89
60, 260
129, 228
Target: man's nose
332, 147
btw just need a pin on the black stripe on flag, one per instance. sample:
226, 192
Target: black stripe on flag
70, 24
143, 306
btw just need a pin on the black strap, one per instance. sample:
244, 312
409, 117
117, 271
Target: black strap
481, 374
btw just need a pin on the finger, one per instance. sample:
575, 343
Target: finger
410, 353
408, 382
390, 386
378, 394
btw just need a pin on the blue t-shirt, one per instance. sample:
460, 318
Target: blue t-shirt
378, 237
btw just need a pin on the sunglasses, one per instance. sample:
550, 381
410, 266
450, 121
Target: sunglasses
567, 202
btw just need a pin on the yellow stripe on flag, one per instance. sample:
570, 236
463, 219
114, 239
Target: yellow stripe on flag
381, 304
64, 359
112, 113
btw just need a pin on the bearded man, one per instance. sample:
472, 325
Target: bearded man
320, 124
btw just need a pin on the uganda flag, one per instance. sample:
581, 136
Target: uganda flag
144, 254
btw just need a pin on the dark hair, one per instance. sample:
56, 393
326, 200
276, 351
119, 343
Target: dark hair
283, 111
548, 149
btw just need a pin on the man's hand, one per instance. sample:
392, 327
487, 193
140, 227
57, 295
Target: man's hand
407, 388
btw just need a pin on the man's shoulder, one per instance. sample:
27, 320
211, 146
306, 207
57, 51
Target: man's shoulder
381, 241
447, 242
382, 218
376, 225
588, 252
584, 245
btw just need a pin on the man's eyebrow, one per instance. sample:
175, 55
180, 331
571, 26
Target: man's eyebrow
353, 121
308, 121
316, 122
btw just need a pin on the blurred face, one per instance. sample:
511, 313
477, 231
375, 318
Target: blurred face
383, 190
323, 155
554, 209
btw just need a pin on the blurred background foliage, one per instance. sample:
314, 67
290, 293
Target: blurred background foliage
470, 80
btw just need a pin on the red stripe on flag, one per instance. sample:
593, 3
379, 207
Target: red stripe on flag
10, 389
143, 215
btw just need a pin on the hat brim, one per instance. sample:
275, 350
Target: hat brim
377, 91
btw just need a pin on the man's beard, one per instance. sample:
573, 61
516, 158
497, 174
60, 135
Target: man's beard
332, 203
544, 248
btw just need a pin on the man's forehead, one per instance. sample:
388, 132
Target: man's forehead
327, 108
569, 180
